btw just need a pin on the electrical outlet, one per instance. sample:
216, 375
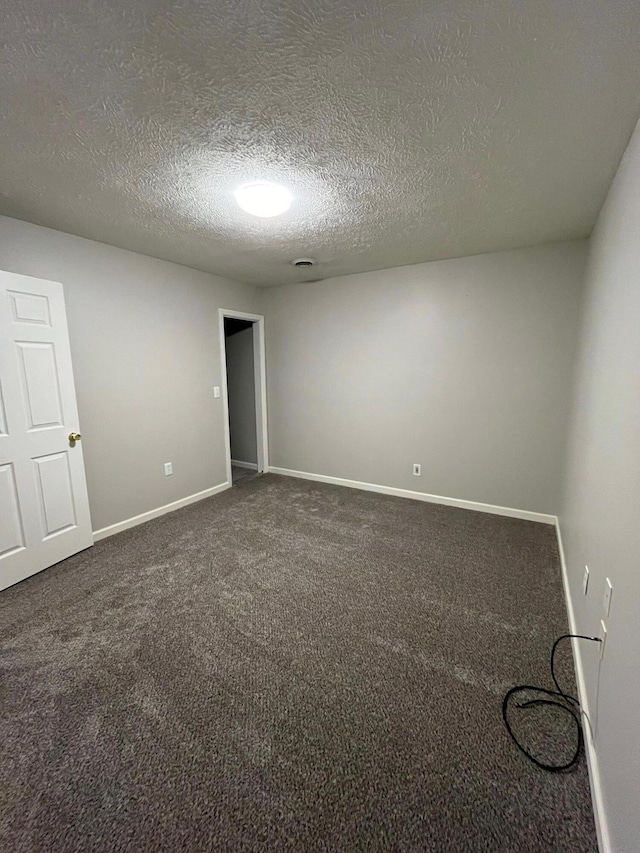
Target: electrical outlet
216, 391
585, 580
603, 638
417, 470
606, 601
168, 469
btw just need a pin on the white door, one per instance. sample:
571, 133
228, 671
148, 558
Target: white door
44, 509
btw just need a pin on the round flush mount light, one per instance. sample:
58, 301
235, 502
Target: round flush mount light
263, 199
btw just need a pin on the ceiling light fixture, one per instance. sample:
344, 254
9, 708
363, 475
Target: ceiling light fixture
263, 199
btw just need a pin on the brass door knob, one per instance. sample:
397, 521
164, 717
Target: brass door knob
74, 436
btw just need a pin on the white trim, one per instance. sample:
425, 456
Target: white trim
595, 782
420, 496
161, 510
240, 315
252, 465
260, 375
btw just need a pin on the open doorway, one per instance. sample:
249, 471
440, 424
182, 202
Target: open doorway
242, 351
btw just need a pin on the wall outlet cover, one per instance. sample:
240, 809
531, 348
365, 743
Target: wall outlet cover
585, 580
168, 468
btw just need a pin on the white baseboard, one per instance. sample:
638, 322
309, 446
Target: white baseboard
597, 799
253, 466
420, 496
155, 513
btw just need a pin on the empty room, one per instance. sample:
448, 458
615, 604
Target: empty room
320, 426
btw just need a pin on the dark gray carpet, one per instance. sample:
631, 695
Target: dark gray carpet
239, 474
287, 666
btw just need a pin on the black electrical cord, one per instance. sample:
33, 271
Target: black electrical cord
568, 703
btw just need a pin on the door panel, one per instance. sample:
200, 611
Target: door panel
56, 493
30, 308
43, 493
11, 533
3, 417
39, 374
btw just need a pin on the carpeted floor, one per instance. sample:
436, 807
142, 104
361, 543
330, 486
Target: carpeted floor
287, 666
240, 474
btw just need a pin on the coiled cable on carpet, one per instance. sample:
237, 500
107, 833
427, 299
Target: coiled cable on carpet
561, 700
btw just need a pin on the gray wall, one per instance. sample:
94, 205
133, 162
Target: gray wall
242, 396
463, 366
600, 519
145, 344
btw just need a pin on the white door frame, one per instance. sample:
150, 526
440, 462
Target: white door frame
260, 380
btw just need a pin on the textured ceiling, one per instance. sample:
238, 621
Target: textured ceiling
407, 130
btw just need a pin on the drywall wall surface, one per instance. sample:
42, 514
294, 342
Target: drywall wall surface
146, 355
601, 509
241, 390
462, 366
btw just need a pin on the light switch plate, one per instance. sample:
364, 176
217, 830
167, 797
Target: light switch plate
216, 391
603, 638
585, 580
606, 602
168, 468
